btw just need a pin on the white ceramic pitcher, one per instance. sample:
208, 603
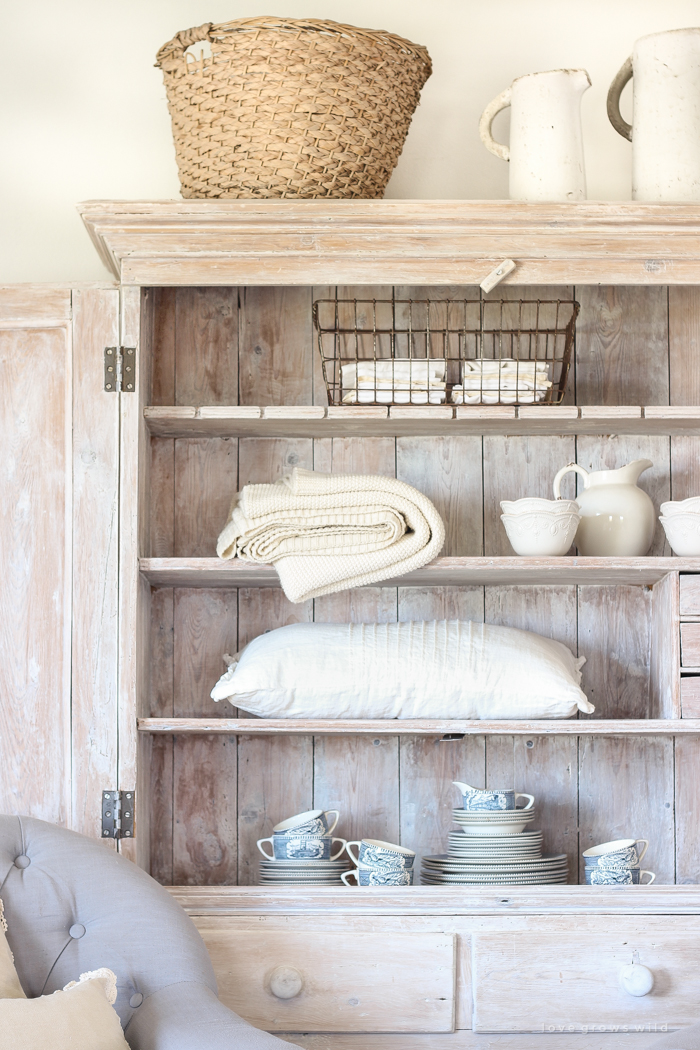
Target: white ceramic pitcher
617, 517
665, 129
546, 141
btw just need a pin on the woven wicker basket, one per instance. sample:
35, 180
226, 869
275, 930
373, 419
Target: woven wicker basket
290, 108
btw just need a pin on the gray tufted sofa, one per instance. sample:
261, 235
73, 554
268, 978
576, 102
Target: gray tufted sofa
73, 905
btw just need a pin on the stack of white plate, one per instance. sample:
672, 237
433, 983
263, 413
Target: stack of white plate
443, 869
303, 872
495, 847
493, 821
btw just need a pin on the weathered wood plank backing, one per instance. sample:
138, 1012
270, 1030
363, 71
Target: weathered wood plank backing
634, 346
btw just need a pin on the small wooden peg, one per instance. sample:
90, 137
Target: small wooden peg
496, 276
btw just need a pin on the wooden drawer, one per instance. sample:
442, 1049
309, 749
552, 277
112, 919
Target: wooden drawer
690, 595
690, 645
363, 982
690, 697
528, 982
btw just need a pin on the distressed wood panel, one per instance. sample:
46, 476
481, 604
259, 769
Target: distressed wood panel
544, 767
622, 346
625, 790
690, 696
276, 340
690, 644
95, 423
206, 346
684, 344
613, 451
162, 498
35, 573
520, 466
685, 468
687, 805
161, 335
161, 702
614, 627
664, 657
449, 472
206, 477
205, 776
690, 595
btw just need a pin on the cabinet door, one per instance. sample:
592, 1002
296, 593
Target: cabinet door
58, 554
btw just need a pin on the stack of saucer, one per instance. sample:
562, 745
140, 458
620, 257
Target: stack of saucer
303, 872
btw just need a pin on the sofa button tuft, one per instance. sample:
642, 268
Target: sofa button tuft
136, 1000
77, 931
22, 861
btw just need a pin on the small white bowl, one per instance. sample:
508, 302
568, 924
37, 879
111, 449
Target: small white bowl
542, 533
681, 506
683, 533
531, 504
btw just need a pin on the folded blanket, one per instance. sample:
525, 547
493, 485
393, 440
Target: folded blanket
330, 532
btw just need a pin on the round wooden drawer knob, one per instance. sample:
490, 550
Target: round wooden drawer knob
636, 979
286, 982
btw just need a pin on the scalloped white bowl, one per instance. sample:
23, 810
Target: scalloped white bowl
683, 533
533, 504
681, 506
541, 533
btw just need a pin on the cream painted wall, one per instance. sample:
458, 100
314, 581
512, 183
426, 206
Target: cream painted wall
83, 113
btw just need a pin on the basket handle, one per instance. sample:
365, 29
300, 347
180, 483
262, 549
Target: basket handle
181, 41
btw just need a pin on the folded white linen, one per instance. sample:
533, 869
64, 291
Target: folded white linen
404, 381
487, 366
502, 397
330, 532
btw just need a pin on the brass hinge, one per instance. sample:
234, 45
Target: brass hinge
118, 814
120, 369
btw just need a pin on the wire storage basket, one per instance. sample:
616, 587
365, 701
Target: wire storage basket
445, 351
287, 107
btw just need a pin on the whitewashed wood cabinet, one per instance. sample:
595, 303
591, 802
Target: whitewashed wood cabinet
136, 611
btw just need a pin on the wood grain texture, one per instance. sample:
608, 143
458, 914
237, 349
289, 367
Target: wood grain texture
690, 696
206, 346
35, 305
690, 595
626, 790
423, 726
685, 467
161, 702
687, 802
206, 477
467, 1040
35, 573
622, 346
357, 982
664, 654
162, 498
684, 345
515, 467
95, 424
161, 335
614, 625
690, 644
449, 472
276, 340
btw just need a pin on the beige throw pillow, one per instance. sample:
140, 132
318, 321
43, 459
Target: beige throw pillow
80, 1017
10, 988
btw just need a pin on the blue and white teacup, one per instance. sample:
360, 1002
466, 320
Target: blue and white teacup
618, 853
620, 876
478, 800
312, 822
365, 875
301, 847
377, 854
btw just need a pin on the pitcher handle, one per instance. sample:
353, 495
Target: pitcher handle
565, 470
641, 856
523, 794
501, 101
335, 822
616, 119
266, 855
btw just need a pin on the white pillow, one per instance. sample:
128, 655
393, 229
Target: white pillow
80, 1017
433, 669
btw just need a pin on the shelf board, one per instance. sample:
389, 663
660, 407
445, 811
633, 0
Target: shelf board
421, 726
423, 242
407, 421
442, 572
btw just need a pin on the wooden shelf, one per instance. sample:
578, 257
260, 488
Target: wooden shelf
443, 572
280, 242
421, 727
441, 420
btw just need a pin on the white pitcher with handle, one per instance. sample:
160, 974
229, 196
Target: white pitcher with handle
617, 517
665, 129
546, 140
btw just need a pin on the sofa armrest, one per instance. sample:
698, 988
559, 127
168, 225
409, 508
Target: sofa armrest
189, 1016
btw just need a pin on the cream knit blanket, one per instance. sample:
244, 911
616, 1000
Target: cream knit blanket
330, 532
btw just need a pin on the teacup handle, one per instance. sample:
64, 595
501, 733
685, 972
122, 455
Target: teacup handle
337, 818
346, 874
266, 855
358, 843
645, 872
344, 846
643, 853
523, 794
